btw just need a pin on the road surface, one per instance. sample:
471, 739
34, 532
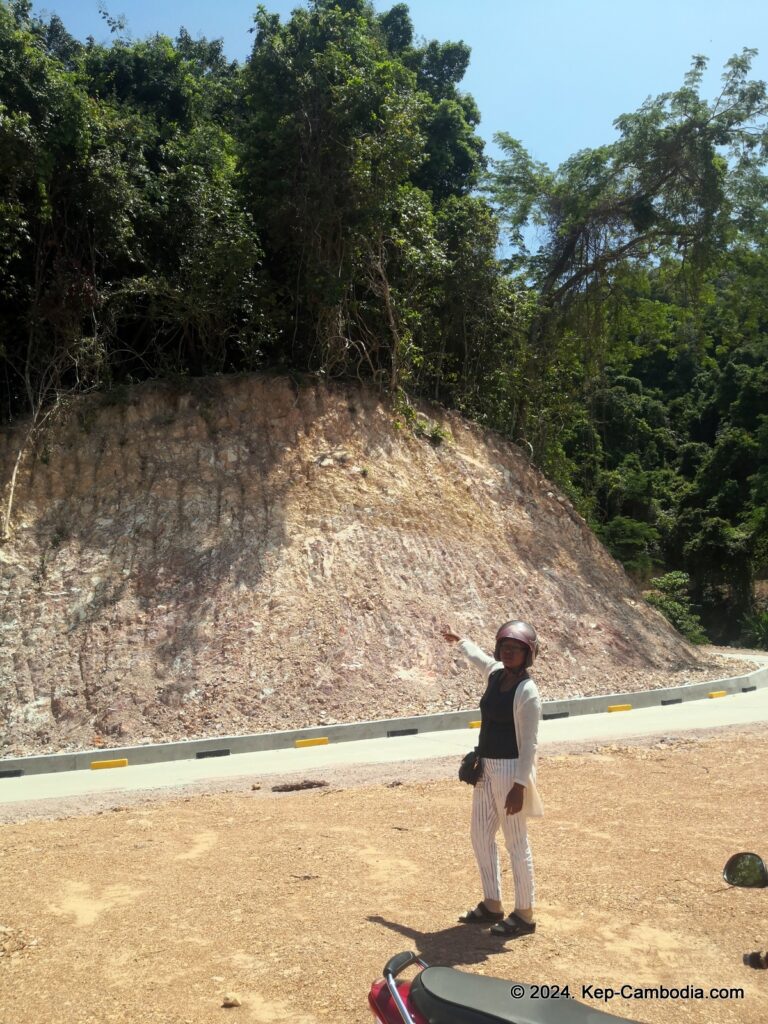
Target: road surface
735, 709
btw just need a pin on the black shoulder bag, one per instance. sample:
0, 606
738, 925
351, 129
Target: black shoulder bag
471, 768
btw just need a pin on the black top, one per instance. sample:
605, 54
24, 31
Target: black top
497, 727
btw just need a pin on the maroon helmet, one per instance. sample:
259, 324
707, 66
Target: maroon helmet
515, 629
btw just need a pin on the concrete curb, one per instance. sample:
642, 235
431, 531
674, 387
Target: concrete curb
225, 745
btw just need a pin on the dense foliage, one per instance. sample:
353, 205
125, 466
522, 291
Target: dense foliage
327, 207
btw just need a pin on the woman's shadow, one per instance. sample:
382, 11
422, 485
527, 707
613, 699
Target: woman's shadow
461, 944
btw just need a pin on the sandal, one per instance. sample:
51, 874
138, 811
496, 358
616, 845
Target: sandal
481, 915
513, 927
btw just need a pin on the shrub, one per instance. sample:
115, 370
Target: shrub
756, 629
670, 597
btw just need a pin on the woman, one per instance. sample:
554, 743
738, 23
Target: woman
506, 792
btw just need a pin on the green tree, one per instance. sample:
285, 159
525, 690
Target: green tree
662, 190
330, 136
352, 138
670, 594
634, 543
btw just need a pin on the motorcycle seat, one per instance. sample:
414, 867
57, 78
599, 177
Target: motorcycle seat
443, 995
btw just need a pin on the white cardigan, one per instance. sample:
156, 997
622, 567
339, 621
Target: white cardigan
527, 713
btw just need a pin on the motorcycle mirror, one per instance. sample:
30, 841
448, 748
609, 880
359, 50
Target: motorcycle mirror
746, 870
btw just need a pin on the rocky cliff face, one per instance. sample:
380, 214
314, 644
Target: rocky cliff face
248, 555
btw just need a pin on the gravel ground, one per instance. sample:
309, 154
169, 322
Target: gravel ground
153, 909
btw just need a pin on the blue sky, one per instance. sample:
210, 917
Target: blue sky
553, 73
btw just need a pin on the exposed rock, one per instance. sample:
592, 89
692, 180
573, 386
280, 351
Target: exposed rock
290, 787
14, 942
188, 563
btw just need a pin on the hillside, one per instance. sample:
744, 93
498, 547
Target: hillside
241, 554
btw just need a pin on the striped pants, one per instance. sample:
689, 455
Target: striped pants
487, 814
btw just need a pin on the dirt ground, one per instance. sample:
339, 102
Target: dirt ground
152, 909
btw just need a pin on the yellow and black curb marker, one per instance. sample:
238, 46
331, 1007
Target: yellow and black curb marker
316, 742
119, 762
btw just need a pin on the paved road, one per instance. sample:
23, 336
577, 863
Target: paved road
737, 709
